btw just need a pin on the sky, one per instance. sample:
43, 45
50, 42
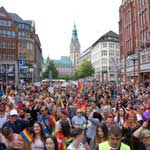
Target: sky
54, 20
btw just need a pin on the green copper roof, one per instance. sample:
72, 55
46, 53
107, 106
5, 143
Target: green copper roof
64, 61
74, 34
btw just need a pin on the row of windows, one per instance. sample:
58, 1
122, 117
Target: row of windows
8, 44
25, 56
24, 34
24, 26
26, 45
2, 14
7, 56
111, 45
65, 69
5, 23
7, 33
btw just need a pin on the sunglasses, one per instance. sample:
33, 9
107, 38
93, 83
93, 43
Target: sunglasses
79, 112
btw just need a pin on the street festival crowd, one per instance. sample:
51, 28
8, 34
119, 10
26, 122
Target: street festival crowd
82, 115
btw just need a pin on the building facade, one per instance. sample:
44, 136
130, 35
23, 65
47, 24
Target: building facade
85, 55
64, 66
19, 48
134, 29
105, 54
74, 48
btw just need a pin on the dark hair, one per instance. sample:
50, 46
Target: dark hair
115, 130
42, 132
6, 130
118, 114
53, 138
98, 116
65, 127
104, 128
76, 132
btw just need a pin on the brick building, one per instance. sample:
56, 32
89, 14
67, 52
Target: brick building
19, 44
134, 29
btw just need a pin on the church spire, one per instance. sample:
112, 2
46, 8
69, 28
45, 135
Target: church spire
74, 34
74, 47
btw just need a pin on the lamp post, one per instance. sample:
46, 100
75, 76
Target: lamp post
134, 59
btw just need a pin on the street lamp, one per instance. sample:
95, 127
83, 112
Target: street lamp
133, 59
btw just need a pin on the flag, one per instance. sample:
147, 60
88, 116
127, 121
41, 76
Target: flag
84, 107
68, 141
26, 136
80, 87
52, 120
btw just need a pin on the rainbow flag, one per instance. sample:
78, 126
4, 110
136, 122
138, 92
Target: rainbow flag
52, 120
80, 87
26, 136
84, 107
68, 141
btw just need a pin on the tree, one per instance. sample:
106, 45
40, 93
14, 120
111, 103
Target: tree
51, 71
85, 70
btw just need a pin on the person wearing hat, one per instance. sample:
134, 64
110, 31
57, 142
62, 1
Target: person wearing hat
16, 124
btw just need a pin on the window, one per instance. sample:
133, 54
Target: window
104, 53
104, 45
7, 33
104, 68
111, 45
5, 23
104, 60
2, 14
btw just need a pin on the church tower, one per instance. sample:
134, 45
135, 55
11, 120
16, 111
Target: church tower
74, 48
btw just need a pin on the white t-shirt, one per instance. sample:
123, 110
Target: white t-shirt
80, 147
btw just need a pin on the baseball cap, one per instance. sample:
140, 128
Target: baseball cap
13, 112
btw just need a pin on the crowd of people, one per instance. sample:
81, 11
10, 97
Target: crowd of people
93, 116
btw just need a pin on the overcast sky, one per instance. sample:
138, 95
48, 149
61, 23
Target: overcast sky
54, 20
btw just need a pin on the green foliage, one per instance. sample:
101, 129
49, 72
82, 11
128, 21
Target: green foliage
51, 71
84, 70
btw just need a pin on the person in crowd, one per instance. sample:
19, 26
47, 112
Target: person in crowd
141, 138
106, 110
51, 143
77, 143
118, 105
109, 120
48, 123
20, 144
130, 125
79, 121
140, 110
119, 118
16, 124
22, 114
66, 131
3, 113
38, 137
114, 140
8, 137
92, 122
32, 110
101, 136
63, 135
62, 115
